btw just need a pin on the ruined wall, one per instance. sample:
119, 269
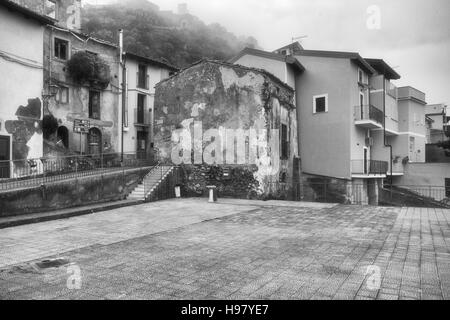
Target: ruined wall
77, 107
67, 13
21, 66
225, 97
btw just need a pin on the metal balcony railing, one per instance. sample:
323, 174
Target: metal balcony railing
142, 117
366, 167
368, 112
34, 172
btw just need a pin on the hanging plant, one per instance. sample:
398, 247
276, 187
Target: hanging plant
85, 68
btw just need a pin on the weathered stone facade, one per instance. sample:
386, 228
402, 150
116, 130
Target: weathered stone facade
74, 99
67, 13
219, 105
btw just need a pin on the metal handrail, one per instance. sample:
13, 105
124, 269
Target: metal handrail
32, 172
368, 112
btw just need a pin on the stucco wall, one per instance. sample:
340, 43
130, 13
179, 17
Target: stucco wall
425, 175
325, 138
224, 97
21, 88
156, 74
278, 68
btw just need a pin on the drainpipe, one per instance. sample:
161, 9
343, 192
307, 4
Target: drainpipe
384, 124
124, 89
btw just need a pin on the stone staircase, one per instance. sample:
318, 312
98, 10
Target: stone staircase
150, 183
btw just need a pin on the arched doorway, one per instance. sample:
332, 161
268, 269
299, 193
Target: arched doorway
95, 141
63, 137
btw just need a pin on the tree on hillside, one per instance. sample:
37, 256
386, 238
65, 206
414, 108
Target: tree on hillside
179, 39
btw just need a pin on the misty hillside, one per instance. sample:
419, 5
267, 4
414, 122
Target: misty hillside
179, 39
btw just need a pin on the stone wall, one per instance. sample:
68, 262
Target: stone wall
215, 96
70, 193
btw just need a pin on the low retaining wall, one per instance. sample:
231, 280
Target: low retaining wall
237, 182
71, 193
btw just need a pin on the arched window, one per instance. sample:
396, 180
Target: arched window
95, 141
63, 136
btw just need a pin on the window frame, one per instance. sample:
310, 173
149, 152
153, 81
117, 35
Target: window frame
55, 39
145, 76
325, 95
91, 111
55, 5
138, 107
360, 71
60, 95
284, 154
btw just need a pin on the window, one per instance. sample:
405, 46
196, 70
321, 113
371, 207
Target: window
140, 117
50, 9
142, 78
142, 138
94, 105
63, 95
447, 187
360, 76
320, 103
61, 49
5, 156
95, 141
63, 137
284, 142
412, 147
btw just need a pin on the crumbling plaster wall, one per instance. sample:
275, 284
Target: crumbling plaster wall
227, 97
21, 91
78, 105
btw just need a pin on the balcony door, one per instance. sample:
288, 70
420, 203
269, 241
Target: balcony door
142, 140
141, 109
366, 161
361, 104
5, 156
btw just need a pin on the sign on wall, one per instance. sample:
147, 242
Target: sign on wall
81, 126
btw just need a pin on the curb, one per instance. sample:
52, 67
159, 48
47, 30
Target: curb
49, 216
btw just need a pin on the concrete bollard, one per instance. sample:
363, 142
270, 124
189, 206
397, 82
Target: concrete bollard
212, 194
177, 191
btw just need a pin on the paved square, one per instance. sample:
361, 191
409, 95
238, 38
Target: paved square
236, 249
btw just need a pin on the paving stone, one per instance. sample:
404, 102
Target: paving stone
188, 249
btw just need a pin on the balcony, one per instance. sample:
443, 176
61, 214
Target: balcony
141, 118
369, 117
369, 168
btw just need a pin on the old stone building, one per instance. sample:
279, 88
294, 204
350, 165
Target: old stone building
85, 72
228, 125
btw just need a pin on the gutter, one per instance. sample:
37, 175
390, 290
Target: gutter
384, 124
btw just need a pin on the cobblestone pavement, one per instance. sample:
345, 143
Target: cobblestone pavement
234, 250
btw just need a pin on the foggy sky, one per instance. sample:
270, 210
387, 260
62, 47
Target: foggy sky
414, 36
